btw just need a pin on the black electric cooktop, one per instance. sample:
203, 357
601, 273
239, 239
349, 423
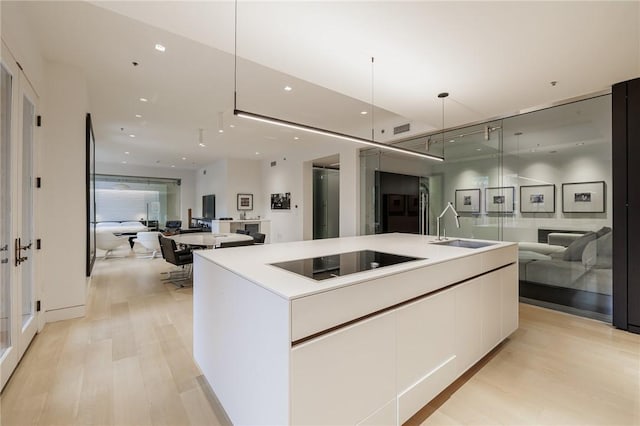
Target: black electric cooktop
337, 265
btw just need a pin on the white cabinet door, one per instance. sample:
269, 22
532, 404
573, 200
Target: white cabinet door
492, 310
469, 313
426, 350
510, 306
346, 376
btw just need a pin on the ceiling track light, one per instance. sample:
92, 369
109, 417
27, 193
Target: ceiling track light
311, 129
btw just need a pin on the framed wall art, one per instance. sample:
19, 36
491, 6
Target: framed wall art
90, 194
583, 197
468, 200
538, 199
245, 202
500, 199
281, 201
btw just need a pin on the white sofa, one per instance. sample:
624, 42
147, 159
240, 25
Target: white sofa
574, 261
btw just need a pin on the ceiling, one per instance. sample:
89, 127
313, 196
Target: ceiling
494, 58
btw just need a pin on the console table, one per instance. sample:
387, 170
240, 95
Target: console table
226, 226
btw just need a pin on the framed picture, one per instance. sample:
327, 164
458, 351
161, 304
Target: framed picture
583, 197
538, 199
281, 201
500, 199
245, 201
468, 200
90, 194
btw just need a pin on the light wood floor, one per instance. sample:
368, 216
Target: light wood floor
129, 363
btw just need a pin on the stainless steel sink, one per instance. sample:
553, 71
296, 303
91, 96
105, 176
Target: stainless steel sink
464, 243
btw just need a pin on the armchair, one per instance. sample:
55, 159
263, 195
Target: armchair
108, 241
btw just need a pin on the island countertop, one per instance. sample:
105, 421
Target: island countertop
254, 262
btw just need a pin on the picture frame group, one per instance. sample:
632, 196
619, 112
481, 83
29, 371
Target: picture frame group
577, 197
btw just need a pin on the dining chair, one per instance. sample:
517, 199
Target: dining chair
227, 244
182, 258
258, 238
149, 240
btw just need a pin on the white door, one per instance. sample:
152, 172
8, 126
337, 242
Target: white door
18, 321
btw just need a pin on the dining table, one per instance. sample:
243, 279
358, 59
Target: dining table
208, 239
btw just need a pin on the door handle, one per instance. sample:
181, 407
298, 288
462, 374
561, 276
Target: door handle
3, 261
5, 248
18, 249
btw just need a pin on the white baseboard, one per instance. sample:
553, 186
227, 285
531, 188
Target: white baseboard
65, 313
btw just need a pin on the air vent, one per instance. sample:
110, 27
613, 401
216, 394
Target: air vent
273, 164
401, 129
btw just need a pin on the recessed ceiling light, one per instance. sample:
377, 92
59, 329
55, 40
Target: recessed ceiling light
220, 131
126, 152
364, 112
173, 165
580, 143
160, 48
138, 116
452, 141
144, 100
478, 149
124, 162
257, 153
184, 158
132, 135
201, 144
232, 125
288, 88
296, 138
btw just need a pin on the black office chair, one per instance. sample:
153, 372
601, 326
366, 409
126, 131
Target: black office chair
242, 231
181, 258
258, 238
227, 244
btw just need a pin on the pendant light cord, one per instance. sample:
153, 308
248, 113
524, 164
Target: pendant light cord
372, 102
235, 56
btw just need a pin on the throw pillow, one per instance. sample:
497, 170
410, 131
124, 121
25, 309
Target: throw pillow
575, 249
602, 231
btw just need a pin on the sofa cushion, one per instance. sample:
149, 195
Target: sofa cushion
575, 249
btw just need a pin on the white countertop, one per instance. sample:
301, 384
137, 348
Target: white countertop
253, 262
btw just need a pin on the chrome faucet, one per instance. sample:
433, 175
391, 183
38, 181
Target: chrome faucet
449, 206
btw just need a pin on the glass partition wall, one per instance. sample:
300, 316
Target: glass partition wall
541, 179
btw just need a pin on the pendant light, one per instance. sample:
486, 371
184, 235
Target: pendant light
443, 96
307, 128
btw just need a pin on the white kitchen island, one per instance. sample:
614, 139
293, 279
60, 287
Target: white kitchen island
371, 347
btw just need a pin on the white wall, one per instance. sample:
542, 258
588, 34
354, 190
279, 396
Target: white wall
188, 198
62, 197
225, 178
18, 37
293, 174
244, 177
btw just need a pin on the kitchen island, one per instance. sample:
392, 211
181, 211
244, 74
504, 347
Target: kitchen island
370, 347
